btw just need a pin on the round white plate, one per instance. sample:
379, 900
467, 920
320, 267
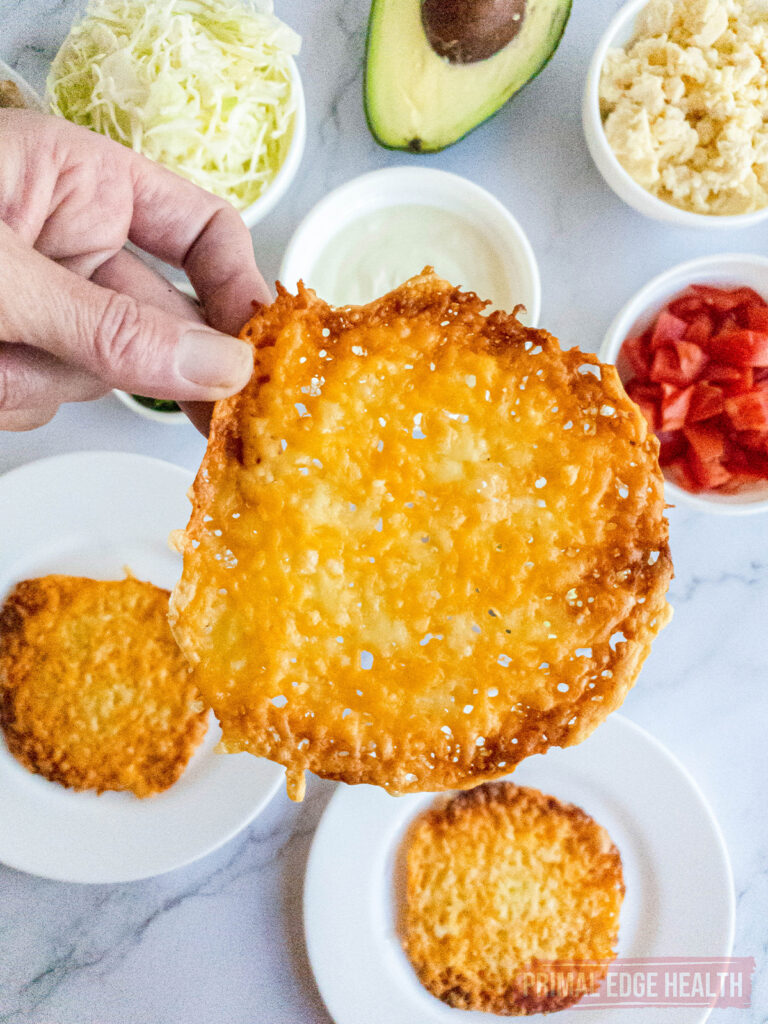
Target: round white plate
679, 890
92, 514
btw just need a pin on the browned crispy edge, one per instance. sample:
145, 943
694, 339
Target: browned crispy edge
515, 1000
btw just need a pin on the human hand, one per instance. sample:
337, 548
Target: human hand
78, 313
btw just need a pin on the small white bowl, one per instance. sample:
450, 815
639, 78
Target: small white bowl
258, 210
168, 419
619, 32
392, 187
31, 98
727, 271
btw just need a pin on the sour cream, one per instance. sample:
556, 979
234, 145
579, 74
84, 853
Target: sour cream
374, 254
371, 234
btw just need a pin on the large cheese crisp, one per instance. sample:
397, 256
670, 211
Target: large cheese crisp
425, 543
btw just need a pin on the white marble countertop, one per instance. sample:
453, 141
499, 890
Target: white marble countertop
222, 940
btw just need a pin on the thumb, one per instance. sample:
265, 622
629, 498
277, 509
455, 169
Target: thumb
125, 343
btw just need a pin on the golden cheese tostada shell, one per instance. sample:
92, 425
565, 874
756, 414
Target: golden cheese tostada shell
506, 887
94, 692
425, 543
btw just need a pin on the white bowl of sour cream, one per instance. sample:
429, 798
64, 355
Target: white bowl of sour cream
371, 234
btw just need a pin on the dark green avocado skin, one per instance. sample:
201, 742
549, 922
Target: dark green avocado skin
416, 145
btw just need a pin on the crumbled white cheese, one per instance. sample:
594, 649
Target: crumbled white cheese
685, 104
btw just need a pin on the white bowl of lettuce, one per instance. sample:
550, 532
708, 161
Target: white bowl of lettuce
209, 88
287, 169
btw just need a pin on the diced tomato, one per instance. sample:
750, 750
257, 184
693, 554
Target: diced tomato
744, 384
651, 413
643, 389
740, 347
756, 468
671, 446
667, 330
739, 318
648, 397
754, 440
706, 401
735, 458
708, 441
727, 322
635, 351
724, 300
741, 481
699, 374
693, 360
699, 330
708, 448
687, 306
675, 403
723, 372
747, 467
710, 475
749, 411
681, 363
680, 472
757, 317
665, 365
738, 481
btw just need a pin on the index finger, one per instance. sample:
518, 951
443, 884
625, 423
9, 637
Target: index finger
190, 228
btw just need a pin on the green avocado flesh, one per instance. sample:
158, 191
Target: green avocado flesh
418, 101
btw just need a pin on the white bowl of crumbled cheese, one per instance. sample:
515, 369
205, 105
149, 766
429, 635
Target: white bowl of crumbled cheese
673, 111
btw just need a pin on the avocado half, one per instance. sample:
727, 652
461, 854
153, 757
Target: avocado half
418, 100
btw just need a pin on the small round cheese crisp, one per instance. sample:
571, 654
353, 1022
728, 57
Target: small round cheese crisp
512, 901
425, 543
94, 692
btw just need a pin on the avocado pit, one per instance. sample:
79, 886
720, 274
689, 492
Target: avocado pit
466, 31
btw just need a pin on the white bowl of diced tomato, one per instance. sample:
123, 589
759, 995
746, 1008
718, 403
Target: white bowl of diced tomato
691, 348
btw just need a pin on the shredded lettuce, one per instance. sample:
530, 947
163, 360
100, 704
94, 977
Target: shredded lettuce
201, 86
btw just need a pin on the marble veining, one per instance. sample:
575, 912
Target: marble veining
222, 939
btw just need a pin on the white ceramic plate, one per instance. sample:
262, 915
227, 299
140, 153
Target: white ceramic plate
92, 513
679, 890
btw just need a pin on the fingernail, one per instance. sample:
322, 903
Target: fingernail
213, 360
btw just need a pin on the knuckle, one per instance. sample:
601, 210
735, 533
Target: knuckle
117, 335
